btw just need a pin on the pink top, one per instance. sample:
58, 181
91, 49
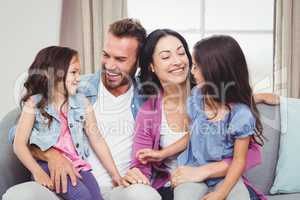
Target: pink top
66, 146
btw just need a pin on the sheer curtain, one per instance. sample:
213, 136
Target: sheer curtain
287, 48
84, 24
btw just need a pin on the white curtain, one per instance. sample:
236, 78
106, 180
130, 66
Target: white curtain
84, 25
287, 48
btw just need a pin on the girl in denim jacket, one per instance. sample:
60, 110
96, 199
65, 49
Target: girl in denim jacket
55, 116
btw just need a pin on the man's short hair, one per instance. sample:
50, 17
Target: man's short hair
129, 27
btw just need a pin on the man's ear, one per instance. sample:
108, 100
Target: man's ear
152, 68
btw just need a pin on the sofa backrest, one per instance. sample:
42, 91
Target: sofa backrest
262, 176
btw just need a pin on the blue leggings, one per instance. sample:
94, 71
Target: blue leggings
86, 189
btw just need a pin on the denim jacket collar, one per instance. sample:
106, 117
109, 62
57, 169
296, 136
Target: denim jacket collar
74, 103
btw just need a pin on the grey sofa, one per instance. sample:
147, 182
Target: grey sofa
12, 172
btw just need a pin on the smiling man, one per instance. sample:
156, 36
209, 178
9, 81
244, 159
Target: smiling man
114, 94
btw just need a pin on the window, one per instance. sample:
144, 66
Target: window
250, 22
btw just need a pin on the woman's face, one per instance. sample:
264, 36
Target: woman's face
170, 61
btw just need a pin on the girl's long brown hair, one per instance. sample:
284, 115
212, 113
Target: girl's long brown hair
49, 67
223, 65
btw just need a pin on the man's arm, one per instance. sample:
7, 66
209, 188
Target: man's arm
39, 154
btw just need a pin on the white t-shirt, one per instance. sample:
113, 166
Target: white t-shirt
116, 123
168, 137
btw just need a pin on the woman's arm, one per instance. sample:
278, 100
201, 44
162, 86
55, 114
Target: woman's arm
151, 155
99, 145
215, 169
23, 131
267, 98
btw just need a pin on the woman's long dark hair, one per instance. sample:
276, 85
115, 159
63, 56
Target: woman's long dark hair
224, 69
49, 67
146, 58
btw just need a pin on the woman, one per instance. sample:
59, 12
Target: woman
165, 76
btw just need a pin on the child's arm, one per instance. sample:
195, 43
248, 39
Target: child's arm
99, 145
23, 132
235, 170
150, 155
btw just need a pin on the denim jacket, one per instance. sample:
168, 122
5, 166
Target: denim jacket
89, 87
45, 136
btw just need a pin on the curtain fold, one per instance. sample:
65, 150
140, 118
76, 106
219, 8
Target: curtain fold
287, 48
84, 25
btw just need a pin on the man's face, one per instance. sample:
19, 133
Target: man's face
119, 59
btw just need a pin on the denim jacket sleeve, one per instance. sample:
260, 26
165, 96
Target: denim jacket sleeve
243, 125
12, 130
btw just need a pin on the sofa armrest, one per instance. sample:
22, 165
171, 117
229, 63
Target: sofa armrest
11, 170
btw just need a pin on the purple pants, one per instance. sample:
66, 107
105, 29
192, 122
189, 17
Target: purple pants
86, 189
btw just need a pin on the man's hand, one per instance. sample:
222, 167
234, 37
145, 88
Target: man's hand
60, 168
149, 155
134, 176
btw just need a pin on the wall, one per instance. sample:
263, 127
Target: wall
25, 28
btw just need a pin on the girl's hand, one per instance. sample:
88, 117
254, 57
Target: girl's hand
185, 174
214, 196
149, 155
117, 180
42, 178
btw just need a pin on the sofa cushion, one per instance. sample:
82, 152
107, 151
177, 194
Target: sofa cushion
262, 176
295, 196
287, 179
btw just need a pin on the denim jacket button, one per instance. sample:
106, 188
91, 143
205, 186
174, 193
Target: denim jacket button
71, 125
77, 145
81, 117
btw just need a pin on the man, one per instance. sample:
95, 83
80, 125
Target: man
114, 93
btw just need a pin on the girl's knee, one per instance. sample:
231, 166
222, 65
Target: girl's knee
190, 191
139, 191
239, 191
78, 192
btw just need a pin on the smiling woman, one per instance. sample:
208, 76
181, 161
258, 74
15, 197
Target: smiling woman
165, 61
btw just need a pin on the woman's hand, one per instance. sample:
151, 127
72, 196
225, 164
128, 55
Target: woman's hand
214, 196
185, 174
149, 155
42, 178
267, 98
